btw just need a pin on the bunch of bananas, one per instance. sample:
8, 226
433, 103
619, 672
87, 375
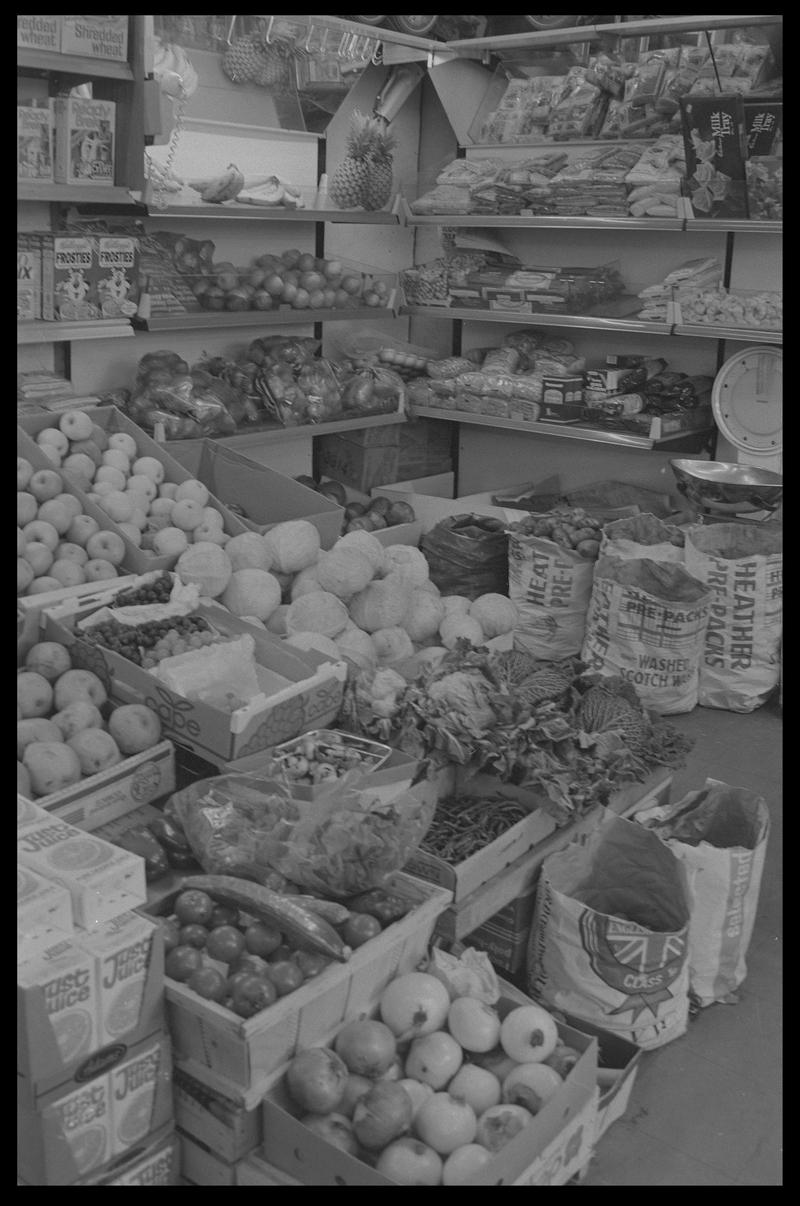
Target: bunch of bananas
221, 188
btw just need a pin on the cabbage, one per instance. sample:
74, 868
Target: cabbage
205, 566
424, 615
465, 694
248, 551
391, 645
277, 621
453, 628
317, 612
294, 545
496, 615
357, 647
316, 641
455, 605
305, 582
343, 572
368, 545
407, 563
252, 592
381, 605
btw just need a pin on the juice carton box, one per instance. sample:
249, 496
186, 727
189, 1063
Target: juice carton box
35, 143
69, 277
27, 811
44, 914
124, 950
103, 880
84, 141
159, 1165
39, 33
141, 1093
95, 37
68, 1137
29, 278
56, 1010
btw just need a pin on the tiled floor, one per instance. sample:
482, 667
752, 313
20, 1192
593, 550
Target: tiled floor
706, 1109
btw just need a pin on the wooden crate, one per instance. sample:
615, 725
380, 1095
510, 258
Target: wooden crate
241, 1057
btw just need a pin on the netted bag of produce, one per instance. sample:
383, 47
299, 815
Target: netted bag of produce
468, 555
550, 572
720, 835
742, 566
643, 536
647, 623
610, 934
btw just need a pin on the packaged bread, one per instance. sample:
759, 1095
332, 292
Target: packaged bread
451, 366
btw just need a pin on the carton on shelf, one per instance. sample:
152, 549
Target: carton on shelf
35, 143
44, 914
123, 950
84, 141
29, 278
39, 33
95, 37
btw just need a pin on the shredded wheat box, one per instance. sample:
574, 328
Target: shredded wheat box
35, 143
39, 33
29, 278
95, 37
84, 141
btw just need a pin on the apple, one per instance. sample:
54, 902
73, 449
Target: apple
342, 299
289, 293
149, 466
213, 517
100, 437
291, 257
81, 464
20, 542
56, 516
335, 1129
36, 729
86, 448
115, 477
24, 472
75, 717
96, 750
81, 528
237, 299
39, 557
25, 575
315, 1080
462, 1164
134, 728
52, 766
68, 573
302, 300
329, 296
101, 490
52, 454
351, 284
256, 277
194, 490
67, 551
55, 438
144, 486
155, 523
77, 685
24, 787
214, 298
34, 694
44, 585
133, 532
187, 515
118, 506
117, 459
306, 262
274, 285
27, 508
161, 506
168, 490
76, 425
125, 443
44, 484
49, 659
332, 269
316, 299
99, 570
407, 1161
170, 542
72, 504
312, 281
210, 533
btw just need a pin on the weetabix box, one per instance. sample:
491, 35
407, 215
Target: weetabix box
39, 33
714, 140
69, 277
84, 141
29, 278
95, 37
35, 143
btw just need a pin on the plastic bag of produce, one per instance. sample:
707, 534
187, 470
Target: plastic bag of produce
610, 934
468, 555
742, 565
720, 835
643, 536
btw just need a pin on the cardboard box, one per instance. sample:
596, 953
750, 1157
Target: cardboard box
85, 142
112, 421
266, 497
554, 1146
27, 811
202, 1165
129, 956
115, 792
466, 877
29, 278
95, 37
79, 1127
158, 1164
102, 880
362, 468
617, 1066
714, 140
39, 33
216, 1122
504, 937
302, 690
254, 1170
241, 1057
44, 914
35, 143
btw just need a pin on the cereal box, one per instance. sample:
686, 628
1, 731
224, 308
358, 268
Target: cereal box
29, 278
39, 33
35, 143
123, 949
44, 914
141, 1097
103, 880
69, 277
117, 248
56, 1010
95, 37
84, 141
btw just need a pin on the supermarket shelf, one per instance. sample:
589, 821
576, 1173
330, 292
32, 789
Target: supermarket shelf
72, 64
276, 432
62, 332
542, 222
284, 317
732, 226
241, 212
74, 194
581, 321
737, 334
588, 33
590, 435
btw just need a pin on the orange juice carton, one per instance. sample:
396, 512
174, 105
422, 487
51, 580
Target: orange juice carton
141, 1093
27, 811
84, 141
67, 1136
56, 1013
95, 37
129, 953
44, 914
69, 277
103, 880
29, 278
39, 33
157, 1163
35, 143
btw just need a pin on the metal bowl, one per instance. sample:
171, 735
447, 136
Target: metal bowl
728, 489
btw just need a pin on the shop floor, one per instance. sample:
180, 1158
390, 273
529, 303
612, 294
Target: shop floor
706, 1109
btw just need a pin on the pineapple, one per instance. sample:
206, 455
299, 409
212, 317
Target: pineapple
242, 61
364, 177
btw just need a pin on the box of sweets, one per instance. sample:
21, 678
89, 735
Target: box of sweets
84, 141
714, 140
95, 37
35, 143
39, 33
29, 278
69, 277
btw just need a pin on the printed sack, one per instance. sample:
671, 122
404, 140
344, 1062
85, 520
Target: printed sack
609, 938
647, 623
643, 536
551, 587
742, 566
720, 835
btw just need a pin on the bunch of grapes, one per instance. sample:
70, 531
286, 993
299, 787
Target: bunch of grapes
148, 644
158, 591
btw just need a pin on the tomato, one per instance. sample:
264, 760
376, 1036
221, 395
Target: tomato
359, 928
252, 995
261, 939
252, 964
194, 935
237, 978
181, 962
208, 983
194, 907
223, 915
225, 944
280, 954
286, 976
171, 931
383, 905
311, 964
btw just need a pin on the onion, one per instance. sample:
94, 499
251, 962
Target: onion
382, 1115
